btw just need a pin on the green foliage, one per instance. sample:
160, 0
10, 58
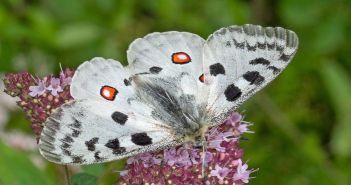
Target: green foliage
302, 120
16, 168
84, 179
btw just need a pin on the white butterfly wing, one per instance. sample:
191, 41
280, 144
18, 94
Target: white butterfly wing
105, 112
89, 131
176, 56
96, 73
241, 60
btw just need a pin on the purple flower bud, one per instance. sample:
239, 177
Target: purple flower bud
55, 86
242, 174
34, 99
183, 164
37, 90
220, 172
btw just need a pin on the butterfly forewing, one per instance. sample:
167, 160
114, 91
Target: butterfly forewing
241, 60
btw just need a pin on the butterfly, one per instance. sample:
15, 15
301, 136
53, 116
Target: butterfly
176, 86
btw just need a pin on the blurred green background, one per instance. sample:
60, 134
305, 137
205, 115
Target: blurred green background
302, 120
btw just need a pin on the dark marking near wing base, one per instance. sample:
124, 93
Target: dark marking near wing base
141, 139
119, 117
253, 77
232, 92
216, 69
126, 82
259, 61
91, 143
155, 70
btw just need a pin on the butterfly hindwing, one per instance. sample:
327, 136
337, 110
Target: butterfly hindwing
241, 60
89, 131
105, 108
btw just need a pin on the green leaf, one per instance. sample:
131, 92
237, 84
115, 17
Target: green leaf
94, 169
84, 179
16, 168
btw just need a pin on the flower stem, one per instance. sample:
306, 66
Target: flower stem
67, 175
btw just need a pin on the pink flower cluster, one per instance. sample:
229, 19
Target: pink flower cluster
39, 97
223, 163
222, 159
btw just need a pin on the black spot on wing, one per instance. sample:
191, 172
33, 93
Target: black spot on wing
261, 45
75, 133
285, 57
253, 77
66, 152
119, 117
114, 145
78, 159
91, 143
119, 150
77, 124
228, 44
240, 45
155, 70
65, 146
67, 139
216, 69
141, 139
126, 82
232, 92
251, 48
274, 69
97, 156
259, 61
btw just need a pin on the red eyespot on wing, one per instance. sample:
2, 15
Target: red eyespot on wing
108, 92
202, 78
180, 58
